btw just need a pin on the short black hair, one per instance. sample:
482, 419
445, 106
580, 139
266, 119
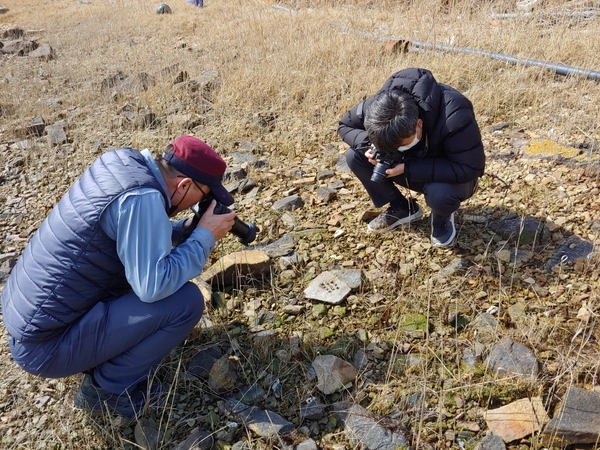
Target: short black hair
391, 117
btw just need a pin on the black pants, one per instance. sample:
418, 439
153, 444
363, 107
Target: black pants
442, 198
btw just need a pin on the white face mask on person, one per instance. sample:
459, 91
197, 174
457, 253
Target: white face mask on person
404, 148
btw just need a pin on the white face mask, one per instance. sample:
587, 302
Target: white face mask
403, 148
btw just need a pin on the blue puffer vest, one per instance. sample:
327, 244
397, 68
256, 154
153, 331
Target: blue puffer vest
70, 264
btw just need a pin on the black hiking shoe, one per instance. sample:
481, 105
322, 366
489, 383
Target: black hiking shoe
443, 231
394, 217
129, 404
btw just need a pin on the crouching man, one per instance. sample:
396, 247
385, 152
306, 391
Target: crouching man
419, 134
101, 289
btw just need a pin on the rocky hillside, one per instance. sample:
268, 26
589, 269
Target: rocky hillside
319, 334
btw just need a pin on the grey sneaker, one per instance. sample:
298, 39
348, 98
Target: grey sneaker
443, 230
92, 398
392, 218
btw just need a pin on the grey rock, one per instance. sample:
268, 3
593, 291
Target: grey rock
285, 262
360, 359
498, 126
197, 440
333, 373
341, 164
43, 52
311, 409
309, 444
514, 256
328, 288
19, 47
325, 174
222, 376
469, 359
372, 432
326, 195
121, 83
485, 327
111, 82
524, 230
11, 33
456, 266
491, 442
172, 72
337, 184
144, 119
202, 362
264, 423
3, 10
209, 81
250, 395
56, 134
281, 247
574, 248
246, 185
7, 257
352, 277
578, 420
244, 157
137, 83
163, 8
234, 173
146, 434
288, 203
509, 358
37, 126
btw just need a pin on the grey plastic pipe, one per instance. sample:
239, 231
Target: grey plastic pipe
560, 69
584, 14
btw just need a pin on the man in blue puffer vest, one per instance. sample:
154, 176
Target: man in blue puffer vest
101, 288
419, 134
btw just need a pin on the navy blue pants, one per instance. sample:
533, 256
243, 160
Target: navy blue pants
122, 340
442, 198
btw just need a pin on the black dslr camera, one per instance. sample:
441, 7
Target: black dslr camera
384, 162
387, 160
245, 232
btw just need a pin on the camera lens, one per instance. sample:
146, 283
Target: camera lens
379, 174
245, 232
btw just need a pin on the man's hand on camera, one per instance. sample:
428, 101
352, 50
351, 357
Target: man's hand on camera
218, 224
371, 156
395, 170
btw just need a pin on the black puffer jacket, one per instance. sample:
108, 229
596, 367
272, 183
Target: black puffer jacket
455, 151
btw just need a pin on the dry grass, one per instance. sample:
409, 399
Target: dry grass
295, 65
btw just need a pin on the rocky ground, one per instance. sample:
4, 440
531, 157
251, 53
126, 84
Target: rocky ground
319, 334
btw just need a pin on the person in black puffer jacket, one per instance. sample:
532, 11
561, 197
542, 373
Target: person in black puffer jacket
420, 134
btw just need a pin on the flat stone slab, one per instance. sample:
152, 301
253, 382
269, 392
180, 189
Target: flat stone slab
509, 358
231, 270
578, 421
264, 423
327, 288
524, 230
573, 249
370, 431
281, 247
333, 373
352, 277
517, 419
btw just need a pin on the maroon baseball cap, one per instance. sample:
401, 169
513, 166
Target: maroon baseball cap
197, 160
